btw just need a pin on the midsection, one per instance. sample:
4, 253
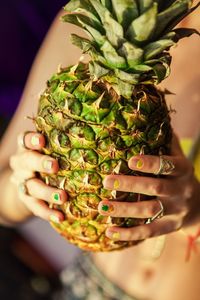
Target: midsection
139, 275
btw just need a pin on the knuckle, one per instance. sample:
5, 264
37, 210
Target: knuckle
151, 164
183, 210
140, 234
157, 188
153, 208
188, 191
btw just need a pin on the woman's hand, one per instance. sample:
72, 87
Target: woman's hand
177, 194
33, 192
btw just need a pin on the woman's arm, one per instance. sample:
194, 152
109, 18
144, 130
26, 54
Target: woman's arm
55, 50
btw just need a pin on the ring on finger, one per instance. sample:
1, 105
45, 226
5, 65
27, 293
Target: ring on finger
158, 215
23, 187
166, 166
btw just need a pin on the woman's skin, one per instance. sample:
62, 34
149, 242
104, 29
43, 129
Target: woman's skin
133, 269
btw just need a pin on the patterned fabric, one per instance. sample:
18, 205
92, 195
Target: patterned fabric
83, 281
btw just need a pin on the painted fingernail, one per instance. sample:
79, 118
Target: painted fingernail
107, 208
112, 184
114, 235
35, 140
56, 197
54, 219
136, 163
48, 164
139, 164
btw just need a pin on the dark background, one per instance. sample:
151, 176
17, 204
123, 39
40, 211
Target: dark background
23, 24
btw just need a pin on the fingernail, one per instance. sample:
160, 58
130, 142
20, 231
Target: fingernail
54, 219
35, 140
114, 235
107, 208
56, 197
136, 163
112, 184
48, 164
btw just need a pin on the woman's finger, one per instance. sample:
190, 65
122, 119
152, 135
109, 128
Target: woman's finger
31, 140
142, 185
40, 208
142, 209
156, 228
38, 189
162, 165
34, 161
19, 176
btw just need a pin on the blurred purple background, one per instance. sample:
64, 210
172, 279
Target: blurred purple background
23, 25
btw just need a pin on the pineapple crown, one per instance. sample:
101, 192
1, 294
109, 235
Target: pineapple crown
129, 39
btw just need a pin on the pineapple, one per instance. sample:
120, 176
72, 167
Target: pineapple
97, 115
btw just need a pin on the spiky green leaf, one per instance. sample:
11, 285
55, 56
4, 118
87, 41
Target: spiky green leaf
133, 54
164, 4
127, 77
141, 28
84, 44
177, 20
114, 31
160, 71
155, 48
78, 20
126, 11
142, 68
97, 70
125, 89
86, 21
177, 9
82, 6
113, 59
165, 58
184, 32
88, 47
144, 5
107, 4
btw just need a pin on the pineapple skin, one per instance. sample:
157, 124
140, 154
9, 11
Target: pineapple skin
93, 132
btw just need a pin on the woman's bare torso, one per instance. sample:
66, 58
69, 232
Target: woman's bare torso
169, 276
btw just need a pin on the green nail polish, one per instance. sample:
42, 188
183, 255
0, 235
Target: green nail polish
107, 207
35, 140
56, 197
